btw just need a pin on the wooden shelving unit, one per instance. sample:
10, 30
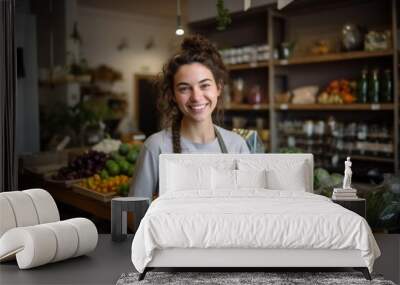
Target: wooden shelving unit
332, 57
373, 158
316, 70
246, 107
306, 69
243, 66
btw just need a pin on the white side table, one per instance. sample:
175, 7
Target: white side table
119, 208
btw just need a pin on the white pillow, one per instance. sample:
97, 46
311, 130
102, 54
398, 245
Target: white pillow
292, 175
293, 180
223, 179
235, 179
188, 177
251, 178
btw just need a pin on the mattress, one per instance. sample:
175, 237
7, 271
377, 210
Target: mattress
251, 219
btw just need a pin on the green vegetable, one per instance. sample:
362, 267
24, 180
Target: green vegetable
124, 149
132, 155
116, 156
109, 163
123, 166
112, 167
104, 174
131, 169
123, 189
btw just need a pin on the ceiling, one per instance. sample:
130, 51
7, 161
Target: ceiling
153, 8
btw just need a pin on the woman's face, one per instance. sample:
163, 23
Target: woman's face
196, 91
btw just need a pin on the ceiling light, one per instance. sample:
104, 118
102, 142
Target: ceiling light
179, 29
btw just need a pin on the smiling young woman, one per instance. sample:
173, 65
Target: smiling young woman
196, 94
190, 103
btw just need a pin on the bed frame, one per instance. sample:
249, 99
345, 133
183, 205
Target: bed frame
246, 259
242, 259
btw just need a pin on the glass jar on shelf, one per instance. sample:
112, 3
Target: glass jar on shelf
350, 131
308, 128
254, 95
362, 131
238, 89
362, 134
320, 128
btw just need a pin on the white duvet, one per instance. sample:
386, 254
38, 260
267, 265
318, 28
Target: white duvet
253, 218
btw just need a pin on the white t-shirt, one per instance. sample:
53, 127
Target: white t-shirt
145, 178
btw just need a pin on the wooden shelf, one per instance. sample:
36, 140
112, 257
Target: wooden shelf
242, 66
244, 107
333, 57
342, 56
336, 107
372, 158
358, 157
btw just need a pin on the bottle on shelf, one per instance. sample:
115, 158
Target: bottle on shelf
374, 87
387, 86
362, 88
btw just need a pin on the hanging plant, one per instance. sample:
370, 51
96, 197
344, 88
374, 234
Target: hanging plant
223, 16
75, 35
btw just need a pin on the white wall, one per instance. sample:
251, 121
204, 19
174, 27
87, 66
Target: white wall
103, 30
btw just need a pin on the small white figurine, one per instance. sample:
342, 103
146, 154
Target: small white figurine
347, 174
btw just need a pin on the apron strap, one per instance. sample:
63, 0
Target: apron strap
220, 141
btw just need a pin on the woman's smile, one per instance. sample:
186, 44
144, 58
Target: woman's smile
198, 108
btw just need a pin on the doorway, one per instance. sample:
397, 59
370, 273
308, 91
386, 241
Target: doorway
146, 96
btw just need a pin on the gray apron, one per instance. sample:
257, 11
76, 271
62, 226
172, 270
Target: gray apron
220, 141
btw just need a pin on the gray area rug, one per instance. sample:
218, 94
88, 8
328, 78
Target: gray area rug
230, 278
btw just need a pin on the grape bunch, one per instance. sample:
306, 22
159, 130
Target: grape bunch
83, 166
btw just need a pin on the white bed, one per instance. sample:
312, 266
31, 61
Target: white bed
253, 210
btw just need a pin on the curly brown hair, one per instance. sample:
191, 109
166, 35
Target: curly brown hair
194, 49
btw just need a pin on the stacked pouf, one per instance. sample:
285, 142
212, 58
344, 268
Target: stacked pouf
31, 230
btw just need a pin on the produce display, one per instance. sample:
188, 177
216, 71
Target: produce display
339, 92
83, 166
116, 172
